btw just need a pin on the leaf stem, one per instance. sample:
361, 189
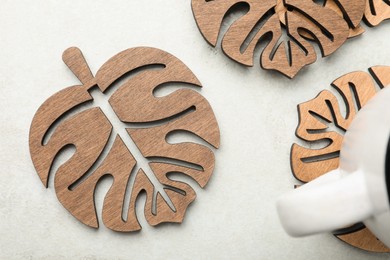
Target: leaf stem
74, 59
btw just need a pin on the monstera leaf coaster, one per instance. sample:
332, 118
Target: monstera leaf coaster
323, 122
129, 138
376, 11
305, 23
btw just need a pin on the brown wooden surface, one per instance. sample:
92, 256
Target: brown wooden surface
376, 12
260, 24
355, 29
354, 16
102, 150
364, 239
318, 119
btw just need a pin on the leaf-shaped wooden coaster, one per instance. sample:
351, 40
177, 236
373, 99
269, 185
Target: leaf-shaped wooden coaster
354, 28
376, 12
137, 155
322, 124
264, 21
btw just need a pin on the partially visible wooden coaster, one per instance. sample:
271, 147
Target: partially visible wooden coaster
136, 155
266, 21
376, 12
322, 120
355, 29
364, 239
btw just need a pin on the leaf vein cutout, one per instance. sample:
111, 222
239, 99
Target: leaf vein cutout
321, 128
304, 21
126, 138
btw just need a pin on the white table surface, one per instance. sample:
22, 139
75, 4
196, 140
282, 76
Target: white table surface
235, 216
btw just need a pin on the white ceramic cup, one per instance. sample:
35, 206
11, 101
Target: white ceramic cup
358, 190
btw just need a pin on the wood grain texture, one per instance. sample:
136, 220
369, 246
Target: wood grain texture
364, 239
264, 22
136, 156
376, 12
353, 16
323, 122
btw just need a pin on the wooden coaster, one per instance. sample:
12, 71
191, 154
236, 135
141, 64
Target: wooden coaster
265, 21
364, 239
355, 29
376, 12
137, 155
322, 124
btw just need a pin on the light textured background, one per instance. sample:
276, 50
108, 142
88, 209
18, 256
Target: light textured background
235, 216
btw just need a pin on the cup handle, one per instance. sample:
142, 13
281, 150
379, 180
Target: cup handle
327, 203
